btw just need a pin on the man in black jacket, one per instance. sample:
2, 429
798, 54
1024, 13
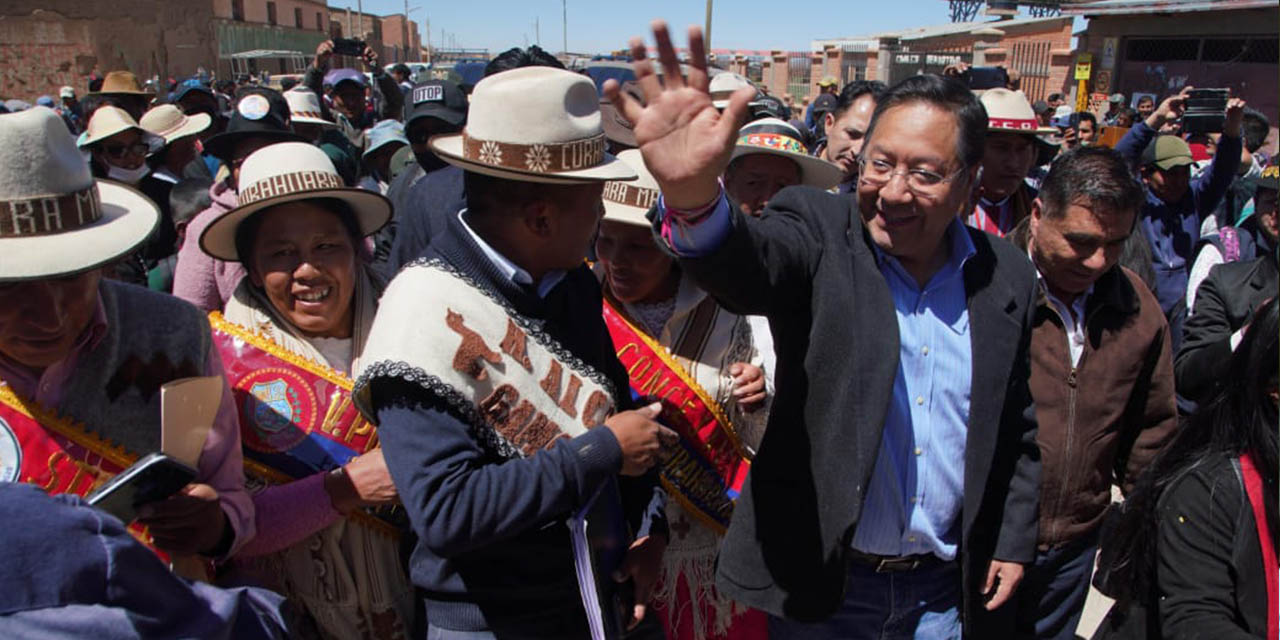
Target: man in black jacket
896, 488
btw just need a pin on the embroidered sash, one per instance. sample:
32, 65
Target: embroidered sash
40, 447
706, 473
296, 415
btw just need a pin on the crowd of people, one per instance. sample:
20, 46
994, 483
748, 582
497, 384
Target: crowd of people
669, 359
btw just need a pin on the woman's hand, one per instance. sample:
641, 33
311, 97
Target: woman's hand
748, 385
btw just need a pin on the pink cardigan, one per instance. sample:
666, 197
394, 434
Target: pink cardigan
198, 278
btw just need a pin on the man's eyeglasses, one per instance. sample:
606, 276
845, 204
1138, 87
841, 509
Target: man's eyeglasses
122, 150
921, 182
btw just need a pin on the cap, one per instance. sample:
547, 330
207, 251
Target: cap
438, 99
189, 85
338, 76
1166, 152
1270, 179
1116, 97
1040, 106
829, 81
824, 103
66, 92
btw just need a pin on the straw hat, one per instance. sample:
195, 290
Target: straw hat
60, 220
722, 86
288, 172
108, 121
628, 202
170, 123
304, 106
122, 82
534, 124
1009, 111
775, 137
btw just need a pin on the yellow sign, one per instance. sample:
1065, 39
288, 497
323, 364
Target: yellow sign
1084, 66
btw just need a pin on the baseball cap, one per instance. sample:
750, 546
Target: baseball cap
824, 103
1116, 97
829, 81
1040, 106
66, 92
1270, 178
1166, 152
187, 86
338, 76
438, 99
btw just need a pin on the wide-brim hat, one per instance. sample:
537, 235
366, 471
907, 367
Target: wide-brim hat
170, 123
260, 113
1009, 111
122, 83
108, 121
283, 173
629, 202
772, 136
61, 221
722, 86
534, 124
304, 107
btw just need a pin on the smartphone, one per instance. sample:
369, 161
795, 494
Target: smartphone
348, 47
979, 78
1206, 111
153, 478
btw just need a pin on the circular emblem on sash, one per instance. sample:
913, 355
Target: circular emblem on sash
277, 409
10, 454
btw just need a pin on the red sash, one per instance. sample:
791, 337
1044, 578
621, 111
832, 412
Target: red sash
40, 447
706, 473
1253, 487
296, 416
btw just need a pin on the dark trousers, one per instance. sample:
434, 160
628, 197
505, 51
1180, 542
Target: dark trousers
1053, 591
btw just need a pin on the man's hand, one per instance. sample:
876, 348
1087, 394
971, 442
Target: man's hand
324, 51
1008, 574
363, 482
370, 58
189, 522
1235, 117
642, 564
1170, 109
640, 437
1069, 139
685, 142
748, 385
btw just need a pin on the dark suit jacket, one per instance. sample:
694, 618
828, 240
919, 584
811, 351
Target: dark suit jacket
1225, 302
807, 264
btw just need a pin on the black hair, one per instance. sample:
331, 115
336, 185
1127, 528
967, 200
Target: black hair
1054, 96
1254, 129
489, 194
1085, 115
1241, 418
247, 230
288, 83
1145, 99
1092, 175
856, 89
401, 68
188, 198
95, 83
950, 95
93, 102
515, 58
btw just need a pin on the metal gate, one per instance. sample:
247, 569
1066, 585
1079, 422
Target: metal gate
799, 66
1032, 60
853, 63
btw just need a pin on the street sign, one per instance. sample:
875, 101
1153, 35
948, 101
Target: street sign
1084, 66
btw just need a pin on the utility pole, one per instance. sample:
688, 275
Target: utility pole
706, 37
537, 32
360, 10
564, 16
406, 31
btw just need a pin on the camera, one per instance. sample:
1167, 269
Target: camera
348, 47
979, 78
1206, 111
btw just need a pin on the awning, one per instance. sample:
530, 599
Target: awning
1139, 7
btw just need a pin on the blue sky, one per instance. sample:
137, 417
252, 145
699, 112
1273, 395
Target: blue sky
603, 25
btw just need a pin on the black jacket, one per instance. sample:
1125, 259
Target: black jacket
807, 264
1225, 302
436, 198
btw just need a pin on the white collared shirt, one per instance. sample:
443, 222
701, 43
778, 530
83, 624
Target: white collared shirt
1072, 316
508, 268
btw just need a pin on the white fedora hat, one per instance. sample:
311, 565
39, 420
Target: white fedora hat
55, 219
534, 124
723, 85
108, 121
288, 172
1009, 111
774, 137
170, 123
304, 106
629, 202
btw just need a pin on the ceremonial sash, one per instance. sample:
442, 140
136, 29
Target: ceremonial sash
40, 447
296, 415
707, 471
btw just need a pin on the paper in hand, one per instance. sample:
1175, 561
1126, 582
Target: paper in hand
187, 409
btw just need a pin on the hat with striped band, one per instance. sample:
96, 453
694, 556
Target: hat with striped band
629, 202
1009, 111
304, 107
774, 137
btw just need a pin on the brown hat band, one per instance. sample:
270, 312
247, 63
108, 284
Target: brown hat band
546, 157
54, 214
286, 183
630, 195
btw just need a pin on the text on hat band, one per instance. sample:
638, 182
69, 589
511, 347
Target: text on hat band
772, 141
546, 157
630, 195
287, 183
1017, 124
43, 216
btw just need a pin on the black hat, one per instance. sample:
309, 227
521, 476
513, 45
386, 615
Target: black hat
767, 106
259, 113
825, 103
438, 99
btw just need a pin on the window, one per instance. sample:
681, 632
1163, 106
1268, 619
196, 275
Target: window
237, 10
1163, 50
297, 18
1239, 50
271, 13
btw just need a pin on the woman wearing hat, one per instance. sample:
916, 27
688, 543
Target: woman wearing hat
179, 133
118, 147
681, 345
290, 338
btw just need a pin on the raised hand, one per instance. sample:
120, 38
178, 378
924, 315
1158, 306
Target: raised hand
1170, 109
1235, 117
685, 141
